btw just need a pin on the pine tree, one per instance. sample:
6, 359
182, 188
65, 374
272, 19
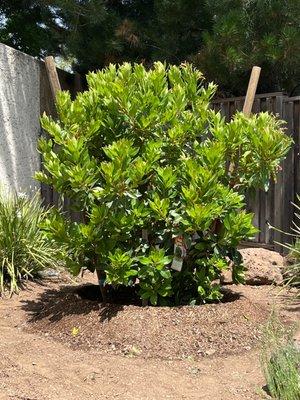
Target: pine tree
223, 38
245, 33
29, 26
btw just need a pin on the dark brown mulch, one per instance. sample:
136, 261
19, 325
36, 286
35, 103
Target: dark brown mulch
149, 332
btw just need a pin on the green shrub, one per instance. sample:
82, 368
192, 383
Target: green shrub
160, 178
24, 247
280, 361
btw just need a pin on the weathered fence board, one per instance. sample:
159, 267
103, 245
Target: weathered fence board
274, 206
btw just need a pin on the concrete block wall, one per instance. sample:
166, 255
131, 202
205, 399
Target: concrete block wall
24, 95
19, 120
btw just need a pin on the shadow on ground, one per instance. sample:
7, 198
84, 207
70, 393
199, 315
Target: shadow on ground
54, 304
291, 300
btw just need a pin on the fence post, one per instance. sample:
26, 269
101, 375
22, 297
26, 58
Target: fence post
251, 91
52, 75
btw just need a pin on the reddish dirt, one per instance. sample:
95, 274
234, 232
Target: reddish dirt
150, 332
264, 267
132, 353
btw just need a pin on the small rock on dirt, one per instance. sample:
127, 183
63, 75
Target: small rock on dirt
49, 273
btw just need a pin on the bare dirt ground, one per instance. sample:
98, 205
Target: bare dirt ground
204, 352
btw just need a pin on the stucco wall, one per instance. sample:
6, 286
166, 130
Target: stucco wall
19, 119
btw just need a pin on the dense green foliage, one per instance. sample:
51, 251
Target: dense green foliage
224, 38
24, 247
147, 160
280, 359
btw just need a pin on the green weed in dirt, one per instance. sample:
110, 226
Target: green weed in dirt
280, 359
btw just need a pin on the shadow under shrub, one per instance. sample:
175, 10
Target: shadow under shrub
160, 179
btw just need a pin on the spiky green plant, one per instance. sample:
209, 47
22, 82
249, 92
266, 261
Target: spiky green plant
24, 247
280, 360
292, 269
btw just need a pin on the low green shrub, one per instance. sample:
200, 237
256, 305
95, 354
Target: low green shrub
280, 361
24, 247
160, 179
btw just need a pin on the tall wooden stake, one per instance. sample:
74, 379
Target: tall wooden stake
52, 75
251, 91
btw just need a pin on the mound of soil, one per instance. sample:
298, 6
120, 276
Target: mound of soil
148, 332
263, 266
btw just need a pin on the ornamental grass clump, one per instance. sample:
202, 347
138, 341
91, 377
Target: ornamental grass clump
160, 179
24, 247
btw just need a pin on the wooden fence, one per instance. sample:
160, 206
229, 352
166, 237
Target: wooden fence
273, 207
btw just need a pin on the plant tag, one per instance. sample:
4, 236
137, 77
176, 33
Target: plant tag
145, 235
195, 236
179, 253
177, 264
180, 247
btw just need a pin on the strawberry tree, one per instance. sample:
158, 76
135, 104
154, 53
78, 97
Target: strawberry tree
160, 179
